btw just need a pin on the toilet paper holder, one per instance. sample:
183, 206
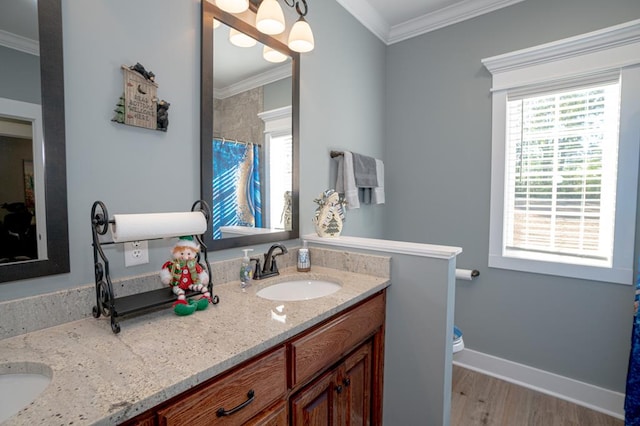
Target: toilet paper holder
467, 274
106, 302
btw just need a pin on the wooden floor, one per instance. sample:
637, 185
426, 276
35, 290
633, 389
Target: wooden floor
478, 399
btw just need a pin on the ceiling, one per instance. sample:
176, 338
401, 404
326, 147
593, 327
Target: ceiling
397, 20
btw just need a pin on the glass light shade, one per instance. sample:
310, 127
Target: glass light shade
233, 6
216, 24
240, 39
273, 55
270, 18
301, 37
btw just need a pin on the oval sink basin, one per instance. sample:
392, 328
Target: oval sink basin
19, 390
298, 290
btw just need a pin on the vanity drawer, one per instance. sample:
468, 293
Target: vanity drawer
325, 345
265, 377
275, 416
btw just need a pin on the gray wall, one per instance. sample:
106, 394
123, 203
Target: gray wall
343, 108
134, 170
418, 336
19, 76
277, 94
438, 160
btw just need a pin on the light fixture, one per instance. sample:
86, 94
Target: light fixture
301, 37
270, 18
233, 6
241, 39
272, 55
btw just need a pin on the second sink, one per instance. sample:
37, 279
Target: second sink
300, 289
20, 384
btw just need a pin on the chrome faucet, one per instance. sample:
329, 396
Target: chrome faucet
270, 268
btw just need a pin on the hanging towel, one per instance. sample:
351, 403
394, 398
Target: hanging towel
377, 197
354, 192
349, 181
364, 169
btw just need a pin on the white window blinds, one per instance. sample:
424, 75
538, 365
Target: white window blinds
560, 182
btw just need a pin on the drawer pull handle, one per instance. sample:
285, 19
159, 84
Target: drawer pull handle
222, 412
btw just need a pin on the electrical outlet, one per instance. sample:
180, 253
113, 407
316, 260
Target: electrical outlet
136, 253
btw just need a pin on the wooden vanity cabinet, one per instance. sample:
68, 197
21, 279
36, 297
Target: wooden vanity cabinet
342, 396
328, 375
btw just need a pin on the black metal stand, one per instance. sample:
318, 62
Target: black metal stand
115, 307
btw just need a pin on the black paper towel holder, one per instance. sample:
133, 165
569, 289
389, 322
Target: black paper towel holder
115, 307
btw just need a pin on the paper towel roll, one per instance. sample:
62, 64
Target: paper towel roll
466, 274
135, 227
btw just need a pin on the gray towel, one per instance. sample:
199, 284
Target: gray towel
364, 169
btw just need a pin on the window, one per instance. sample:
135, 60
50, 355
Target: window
565, 156
278, 166
281, 162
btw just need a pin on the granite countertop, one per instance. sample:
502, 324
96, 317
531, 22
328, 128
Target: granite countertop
103, 378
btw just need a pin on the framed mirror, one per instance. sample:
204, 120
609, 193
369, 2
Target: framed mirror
34, 238
249, 132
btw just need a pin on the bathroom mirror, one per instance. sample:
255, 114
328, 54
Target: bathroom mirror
249, 133
33, 200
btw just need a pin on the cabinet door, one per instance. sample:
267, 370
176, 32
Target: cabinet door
355, 377
317, 404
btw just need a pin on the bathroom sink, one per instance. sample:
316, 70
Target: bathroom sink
298, 290
19, 389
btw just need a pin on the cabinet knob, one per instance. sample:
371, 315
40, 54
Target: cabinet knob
339, 388
346, 381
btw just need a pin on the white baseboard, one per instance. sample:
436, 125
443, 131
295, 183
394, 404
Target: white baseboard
590, 396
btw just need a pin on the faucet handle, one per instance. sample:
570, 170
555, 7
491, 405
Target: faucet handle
256, 271
274, 265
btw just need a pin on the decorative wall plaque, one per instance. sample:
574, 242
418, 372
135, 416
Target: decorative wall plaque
139, 104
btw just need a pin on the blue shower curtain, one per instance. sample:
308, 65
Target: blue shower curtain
632, 399
236, 185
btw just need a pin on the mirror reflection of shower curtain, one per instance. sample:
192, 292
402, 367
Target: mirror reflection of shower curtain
236, 185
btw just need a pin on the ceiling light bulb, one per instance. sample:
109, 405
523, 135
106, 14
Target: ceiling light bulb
216, 24
233, 6
273, 55
241, 39
301, 37
270, 18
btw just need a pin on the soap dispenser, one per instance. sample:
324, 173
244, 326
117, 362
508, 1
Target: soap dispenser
245, 270
304, 261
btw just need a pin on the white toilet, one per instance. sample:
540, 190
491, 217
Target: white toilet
458, 343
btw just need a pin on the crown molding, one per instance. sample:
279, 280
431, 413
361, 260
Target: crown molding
267, 77
446, 16
23, 44
458, 12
